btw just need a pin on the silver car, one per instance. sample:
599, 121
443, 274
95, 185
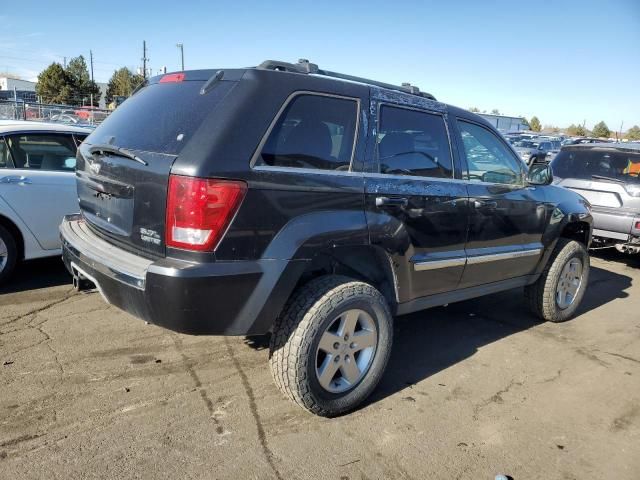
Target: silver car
608, 176
37, 188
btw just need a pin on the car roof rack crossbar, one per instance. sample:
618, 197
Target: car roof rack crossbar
304, 66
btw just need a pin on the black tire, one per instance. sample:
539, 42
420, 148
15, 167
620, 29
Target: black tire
541, 295
12, 255
297, 333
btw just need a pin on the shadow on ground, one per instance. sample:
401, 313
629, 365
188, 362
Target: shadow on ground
432, 340
612, 255
37, 274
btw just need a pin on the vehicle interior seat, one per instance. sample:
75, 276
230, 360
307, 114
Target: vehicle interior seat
310, 138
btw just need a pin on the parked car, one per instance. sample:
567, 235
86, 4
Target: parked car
608, 176
533, 151
37, 188
580, 140
317, 206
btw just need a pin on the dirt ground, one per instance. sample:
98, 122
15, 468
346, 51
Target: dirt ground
473, 390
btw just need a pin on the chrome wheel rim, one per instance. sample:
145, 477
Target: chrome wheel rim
346, 351
4, 255
569, 283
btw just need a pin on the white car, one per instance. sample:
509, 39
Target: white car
37, 188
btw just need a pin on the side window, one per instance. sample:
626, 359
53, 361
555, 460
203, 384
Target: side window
5, 160
79, 138
314, 131
489, 159
47, 151
413, 143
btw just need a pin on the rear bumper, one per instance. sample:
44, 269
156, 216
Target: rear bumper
618, 226
216, 298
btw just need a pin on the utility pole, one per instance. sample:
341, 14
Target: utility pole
65, 62
181, 47
144, 59
91, 61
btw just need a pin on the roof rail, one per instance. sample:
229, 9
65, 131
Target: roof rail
304, 66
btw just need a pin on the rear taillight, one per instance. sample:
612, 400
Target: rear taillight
199, 211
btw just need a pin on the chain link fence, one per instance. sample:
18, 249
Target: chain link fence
45, 112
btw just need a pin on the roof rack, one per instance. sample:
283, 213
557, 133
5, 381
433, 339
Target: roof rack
304, 66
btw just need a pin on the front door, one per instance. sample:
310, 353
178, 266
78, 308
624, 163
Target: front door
416, 209
507, 217
39, 182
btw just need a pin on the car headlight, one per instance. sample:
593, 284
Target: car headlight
633, 190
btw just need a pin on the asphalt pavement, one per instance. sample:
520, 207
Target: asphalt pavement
474, 389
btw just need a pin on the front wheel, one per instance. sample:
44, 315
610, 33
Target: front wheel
331, 344
557, 294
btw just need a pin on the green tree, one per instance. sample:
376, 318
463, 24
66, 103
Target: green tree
601, 130
474, 110
82, 87
535, 125
53, 84
572, 129
633, 133
122, 83
495, 111
581, 131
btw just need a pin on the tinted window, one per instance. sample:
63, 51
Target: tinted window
488, 159
313, 132
413, 143
43, 151
161, 117
4, 154
584, 162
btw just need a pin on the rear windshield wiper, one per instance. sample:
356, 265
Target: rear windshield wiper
611, 179
122, 152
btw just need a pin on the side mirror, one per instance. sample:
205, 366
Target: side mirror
540, 174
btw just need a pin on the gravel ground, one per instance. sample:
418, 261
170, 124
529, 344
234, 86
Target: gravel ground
474, 389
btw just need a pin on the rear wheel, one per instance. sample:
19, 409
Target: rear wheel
331, 344
8, 254
557, 294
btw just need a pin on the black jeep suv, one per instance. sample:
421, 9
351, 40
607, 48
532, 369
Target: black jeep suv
317, 206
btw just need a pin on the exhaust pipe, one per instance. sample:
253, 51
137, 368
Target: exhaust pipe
82, 284
626, 248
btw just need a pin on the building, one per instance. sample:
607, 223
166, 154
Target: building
11, 88
504, 123
26, 90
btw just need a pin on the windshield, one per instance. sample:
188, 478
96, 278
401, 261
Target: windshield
584, 163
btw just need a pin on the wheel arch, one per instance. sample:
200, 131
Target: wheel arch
13, 229
367, 263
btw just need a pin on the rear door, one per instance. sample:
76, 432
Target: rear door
507, 217
416, 207
39, 185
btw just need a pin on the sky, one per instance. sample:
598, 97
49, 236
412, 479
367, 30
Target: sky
564, 61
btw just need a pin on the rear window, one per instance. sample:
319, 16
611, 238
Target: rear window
161, 117
584, 163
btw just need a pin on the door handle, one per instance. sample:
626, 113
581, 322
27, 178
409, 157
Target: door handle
486, 204
15, 179
391, 202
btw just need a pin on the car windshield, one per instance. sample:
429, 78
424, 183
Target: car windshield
584, 163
